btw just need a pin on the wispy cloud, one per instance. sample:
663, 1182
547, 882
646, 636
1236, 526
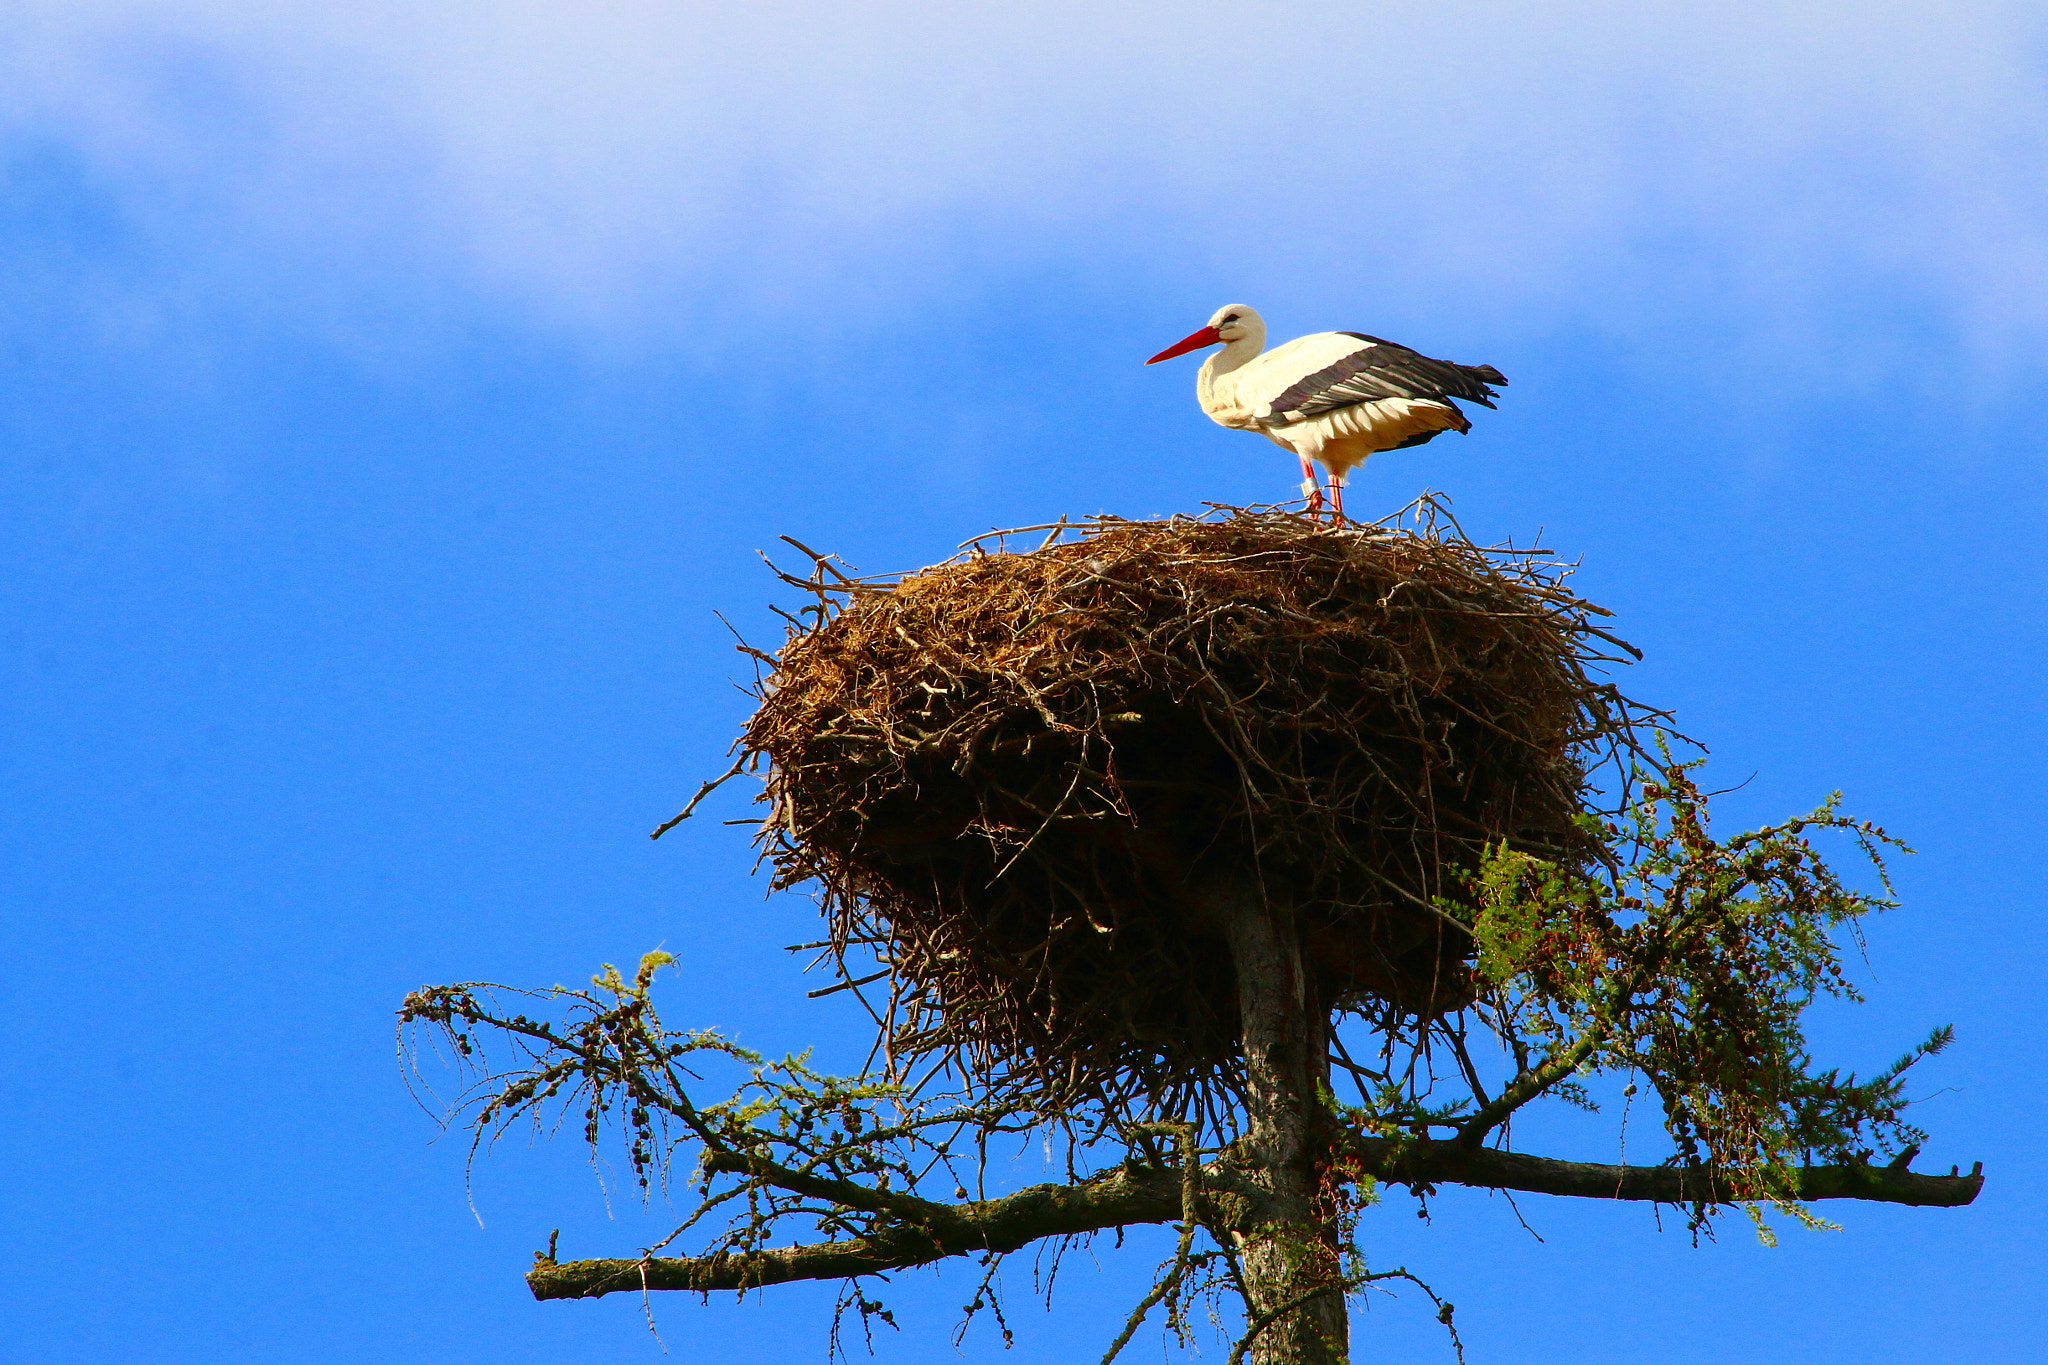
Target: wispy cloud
1574, 158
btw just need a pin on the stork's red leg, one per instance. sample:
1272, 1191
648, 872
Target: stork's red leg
1311, 486
1336, 496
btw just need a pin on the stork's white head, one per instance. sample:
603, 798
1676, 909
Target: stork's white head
1236, 321
1232, 324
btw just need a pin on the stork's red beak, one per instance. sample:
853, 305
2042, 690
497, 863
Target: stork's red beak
1208, 336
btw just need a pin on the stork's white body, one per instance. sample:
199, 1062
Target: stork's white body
1332, 397
1238, 384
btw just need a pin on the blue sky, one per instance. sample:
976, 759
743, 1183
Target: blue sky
390, 394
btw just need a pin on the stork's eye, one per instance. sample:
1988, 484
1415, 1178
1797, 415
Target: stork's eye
1231, 318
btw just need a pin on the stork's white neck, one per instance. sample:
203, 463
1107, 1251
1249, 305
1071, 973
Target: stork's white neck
1213, 386
1236, 353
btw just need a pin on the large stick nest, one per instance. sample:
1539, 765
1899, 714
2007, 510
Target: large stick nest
1022, 777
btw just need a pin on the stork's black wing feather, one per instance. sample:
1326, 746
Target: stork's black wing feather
1383, 369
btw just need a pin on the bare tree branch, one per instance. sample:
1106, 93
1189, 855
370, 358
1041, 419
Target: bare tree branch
1127, 1196
1451, 1163
1123, 1197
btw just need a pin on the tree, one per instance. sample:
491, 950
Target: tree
1160, 837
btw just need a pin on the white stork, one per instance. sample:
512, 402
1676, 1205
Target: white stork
1337, 397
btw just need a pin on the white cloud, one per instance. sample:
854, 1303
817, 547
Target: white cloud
1589, 160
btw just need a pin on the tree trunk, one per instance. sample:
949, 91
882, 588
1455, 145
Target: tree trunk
1288, 1247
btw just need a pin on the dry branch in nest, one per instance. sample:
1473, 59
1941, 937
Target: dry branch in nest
1020, 776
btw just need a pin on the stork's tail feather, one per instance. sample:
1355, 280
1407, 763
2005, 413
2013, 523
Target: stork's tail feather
1458, 422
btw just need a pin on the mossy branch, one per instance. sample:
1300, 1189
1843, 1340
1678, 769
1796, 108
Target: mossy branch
1131, 1196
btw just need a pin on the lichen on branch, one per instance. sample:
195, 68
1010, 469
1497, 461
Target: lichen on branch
1689, 962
